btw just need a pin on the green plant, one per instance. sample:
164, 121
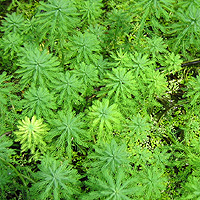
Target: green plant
37, 66
55, 178
99, 99
56, 19
104, 117
39, 102
66, 130
108, 156
110, 186
84, 47
31, 134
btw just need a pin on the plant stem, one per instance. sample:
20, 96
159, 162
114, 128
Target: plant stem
16, 171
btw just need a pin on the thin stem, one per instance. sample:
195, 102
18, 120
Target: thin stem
16, 171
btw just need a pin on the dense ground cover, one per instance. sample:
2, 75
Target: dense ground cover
99, 99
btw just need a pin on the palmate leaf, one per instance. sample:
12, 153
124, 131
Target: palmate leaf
112, 186
108, 156
31, 134
38, 67
67, 129
57, 179
119, 84
104, 117
39, 102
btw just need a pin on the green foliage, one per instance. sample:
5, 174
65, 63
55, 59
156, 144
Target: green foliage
108, 156
151, 183
192, 188
187, 30
67, 129
87, 75
55, 178
31, 134
5, 89
119, 84
104, 117
5, 152
138, 127
193, 89
37, 66
151, 12
110, 88
11, 44
108, 185
84, 47
68, 87
14, 23
55, 19
91, 11
39, 102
